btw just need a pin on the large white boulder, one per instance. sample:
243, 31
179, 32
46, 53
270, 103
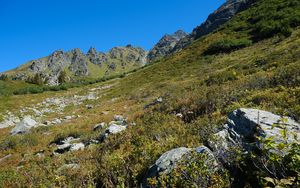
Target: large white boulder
24, 126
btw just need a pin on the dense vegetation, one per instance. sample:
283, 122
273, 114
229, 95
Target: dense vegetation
203, 87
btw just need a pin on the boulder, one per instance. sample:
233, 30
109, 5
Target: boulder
252, 122
114, 129
24, 126
167, 161
245, 125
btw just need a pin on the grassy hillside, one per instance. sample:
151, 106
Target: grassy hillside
251, 63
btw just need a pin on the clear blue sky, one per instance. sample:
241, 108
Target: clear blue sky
30, 29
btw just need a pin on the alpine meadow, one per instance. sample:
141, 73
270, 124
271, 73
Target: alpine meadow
217, 107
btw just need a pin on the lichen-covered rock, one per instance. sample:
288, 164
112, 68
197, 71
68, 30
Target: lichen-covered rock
167, 161
252, 122
24, 126
114, 129
243, 128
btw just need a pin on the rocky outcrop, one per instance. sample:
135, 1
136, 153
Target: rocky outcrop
244, 126
214, 21
165, 45
76, 63
97, 58
79, 63
171, 44
242, 131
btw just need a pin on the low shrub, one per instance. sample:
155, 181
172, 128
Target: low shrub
222, 77
8, 143
227, 46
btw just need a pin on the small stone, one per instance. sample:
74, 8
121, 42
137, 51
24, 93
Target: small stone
77, 146
179, 115
68, 117
99, 126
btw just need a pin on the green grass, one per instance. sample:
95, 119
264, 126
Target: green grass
262, 75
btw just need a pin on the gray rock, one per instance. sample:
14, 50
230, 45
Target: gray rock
165, 45
119, 118
69, 144
79, 63
77, 146
251, 122
115, 129
68, 117
245, 125
214, 21
6, 123
168, 161
56, 121
99, 126
24, 126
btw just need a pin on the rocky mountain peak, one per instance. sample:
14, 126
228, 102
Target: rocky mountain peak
57, 55
179, 34
214, 21
165, 45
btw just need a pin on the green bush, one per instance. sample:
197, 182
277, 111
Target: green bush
222, 77
8, 143
29, 90
227, 46
275, 17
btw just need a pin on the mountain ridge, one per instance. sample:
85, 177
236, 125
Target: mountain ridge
77, 64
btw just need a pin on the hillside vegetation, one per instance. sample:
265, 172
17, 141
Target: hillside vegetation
252, 61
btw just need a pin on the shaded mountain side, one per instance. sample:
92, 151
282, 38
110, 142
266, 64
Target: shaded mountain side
165, 45
170, 44
214, 21
75, 63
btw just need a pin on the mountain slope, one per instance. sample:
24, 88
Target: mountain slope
165, 45
76, 64
170, 44
177, 102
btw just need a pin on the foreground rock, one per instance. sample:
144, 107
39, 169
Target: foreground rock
24, 126
168, 161
240, 134
243, 128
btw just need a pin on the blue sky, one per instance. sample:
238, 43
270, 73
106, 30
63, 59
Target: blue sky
30, 29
